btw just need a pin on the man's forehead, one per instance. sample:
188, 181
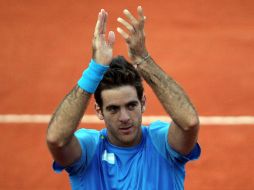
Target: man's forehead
120, 95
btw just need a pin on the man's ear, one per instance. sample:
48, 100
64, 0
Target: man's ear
143, 104
98, 111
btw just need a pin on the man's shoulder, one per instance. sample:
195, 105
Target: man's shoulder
157, 131
158, 125
88, 133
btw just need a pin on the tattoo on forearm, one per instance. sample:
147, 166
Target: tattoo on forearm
171, 95
66, 118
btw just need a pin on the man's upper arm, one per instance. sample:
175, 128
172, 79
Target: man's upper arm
182, 141
159, 132
67, 154
85, 143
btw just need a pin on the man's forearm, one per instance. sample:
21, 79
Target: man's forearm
66, 118
170, 94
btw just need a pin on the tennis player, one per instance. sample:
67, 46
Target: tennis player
124, 155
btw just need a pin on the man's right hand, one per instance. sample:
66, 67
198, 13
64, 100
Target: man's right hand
102, 48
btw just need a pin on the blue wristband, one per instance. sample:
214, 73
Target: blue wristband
92, 76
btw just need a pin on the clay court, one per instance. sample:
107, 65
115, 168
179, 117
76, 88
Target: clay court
207, 46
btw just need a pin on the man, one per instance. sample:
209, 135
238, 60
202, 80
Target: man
124, 155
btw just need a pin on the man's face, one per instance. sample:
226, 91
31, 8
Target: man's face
122, 113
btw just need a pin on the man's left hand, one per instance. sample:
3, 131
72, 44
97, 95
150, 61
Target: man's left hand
135, 37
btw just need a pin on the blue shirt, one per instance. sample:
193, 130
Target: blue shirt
150, 165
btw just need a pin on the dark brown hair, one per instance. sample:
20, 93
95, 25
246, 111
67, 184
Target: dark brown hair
120, 73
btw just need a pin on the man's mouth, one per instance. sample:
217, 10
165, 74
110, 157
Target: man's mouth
126, 130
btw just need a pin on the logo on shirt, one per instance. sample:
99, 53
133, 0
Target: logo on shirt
108, 157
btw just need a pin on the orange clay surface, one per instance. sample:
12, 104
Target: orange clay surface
207, 46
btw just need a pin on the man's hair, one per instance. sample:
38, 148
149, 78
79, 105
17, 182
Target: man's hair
120, 73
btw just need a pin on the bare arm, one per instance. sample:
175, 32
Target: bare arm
184, 130
61, 141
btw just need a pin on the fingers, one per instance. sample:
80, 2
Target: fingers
129, 27
111, 39
101, 23
134, 24
104, 22
132, 19
123, 34
126, 24
142, 18
100, 27
140, 13
97, 24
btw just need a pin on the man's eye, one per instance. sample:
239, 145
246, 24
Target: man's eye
113, 109
132, 106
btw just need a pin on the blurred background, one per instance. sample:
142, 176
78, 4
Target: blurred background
207, 46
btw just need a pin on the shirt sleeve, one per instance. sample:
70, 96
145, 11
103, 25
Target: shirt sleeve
158, 131
88, 140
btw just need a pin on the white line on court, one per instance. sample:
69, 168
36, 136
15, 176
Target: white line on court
92, 119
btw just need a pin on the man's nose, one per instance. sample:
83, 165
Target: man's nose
124, 115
